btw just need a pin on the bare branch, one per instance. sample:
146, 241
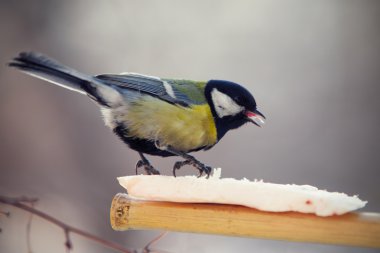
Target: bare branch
24, 199
19, 203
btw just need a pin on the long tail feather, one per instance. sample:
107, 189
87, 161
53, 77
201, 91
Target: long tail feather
45, 68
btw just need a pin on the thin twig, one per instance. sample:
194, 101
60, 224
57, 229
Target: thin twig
147, 248
18, 202
28, 230
68, 243
6, 214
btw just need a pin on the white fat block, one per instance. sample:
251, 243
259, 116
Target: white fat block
254, 194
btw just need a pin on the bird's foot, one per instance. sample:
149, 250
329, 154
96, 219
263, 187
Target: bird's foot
149, 169
197, 164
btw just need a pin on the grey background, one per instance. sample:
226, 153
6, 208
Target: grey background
313, 66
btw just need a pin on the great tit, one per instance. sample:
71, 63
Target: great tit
156, 116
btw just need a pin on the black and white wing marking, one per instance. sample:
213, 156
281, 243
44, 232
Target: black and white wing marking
152, 86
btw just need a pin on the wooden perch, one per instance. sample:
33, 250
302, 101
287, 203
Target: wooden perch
352, 229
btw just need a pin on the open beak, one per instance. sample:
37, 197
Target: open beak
256, 117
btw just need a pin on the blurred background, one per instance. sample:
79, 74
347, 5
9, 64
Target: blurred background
313, 67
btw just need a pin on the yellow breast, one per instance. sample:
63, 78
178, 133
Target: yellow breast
183, 128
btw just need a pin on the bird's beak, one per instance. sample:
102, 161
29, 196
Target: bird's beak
255, 117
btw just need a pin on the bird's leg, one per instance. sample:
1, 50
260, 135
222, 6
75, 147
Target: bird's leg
189, 160
150, 170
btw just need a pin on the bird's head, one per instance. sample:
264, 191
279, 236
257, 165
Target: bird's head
232, 106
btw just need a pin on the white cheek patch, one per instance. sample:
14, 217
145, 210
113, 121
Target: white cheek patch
224, 105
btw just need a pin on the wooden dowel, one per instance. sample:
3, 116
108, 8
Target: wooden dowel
352, 229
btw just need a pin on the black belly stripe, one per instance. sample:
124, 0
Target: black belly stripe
144, 145
139, 145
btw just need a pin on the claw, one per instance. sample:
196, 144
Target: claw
198, 165
149, 169
139, 164
207, 170
178, 165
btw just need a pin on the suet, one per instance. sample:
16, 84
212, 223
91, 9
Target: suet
155, 116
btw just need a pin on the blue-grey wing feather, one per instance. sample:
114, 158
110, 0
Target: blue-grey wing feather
146, 85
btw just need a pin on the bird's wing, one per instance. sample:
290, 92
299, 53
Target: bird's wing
194, 90
181, 92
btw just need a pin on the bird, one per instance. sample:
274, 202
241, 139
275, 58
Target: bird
155, 116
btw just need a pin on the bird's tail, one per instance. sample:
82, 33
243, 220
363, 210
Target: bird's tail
45, 68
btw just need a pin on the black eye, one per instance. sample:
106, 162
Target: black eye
237, 99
